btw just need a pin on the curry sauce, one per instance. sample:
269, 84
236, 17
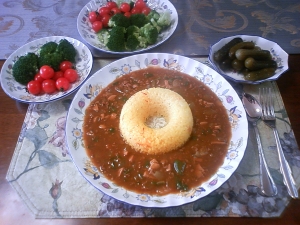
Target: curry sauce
179, 170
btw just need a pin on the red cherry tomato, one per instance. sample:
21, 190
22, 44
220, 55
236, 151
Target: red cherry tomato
34, 87
140, 4
38, 78
115, 10
146, 10
46, 72
58, 74
135, 10
62, 84
94, 16
97, 26
49, 86
105, 20
125, 7
127, 14
111, 5
104, 11
71, 75
64, 65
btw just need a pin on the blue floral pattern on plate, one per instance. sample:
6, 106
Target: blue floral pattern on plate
106, 75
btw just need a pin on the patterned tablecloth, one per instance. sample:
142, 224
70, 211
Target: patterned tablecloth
201, 23
43, 174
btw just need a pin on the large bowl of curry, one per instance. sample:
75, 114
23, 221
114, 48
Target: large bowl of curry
212, 153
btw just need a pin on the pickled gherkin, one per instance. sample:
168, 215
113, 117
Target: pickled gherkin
253, 64
223, 52
259, 74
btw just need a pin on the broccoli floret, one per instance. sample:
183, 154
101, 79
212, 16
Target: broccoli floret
132, 42
52, 53
49, 47
138, 19
25, 68
103, 36
154, 23
116, 40
133, 30
143, 42
51, 59
153, 15
67, 50
134, 35
150, 33
164, 19
119, 20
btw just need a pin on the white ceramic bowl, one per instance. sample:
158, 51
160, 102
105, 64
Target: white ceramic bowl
108, 74
17, 91
86, 32
278, 54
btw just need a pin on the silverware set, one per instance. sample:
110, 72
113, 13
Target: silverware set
264, 109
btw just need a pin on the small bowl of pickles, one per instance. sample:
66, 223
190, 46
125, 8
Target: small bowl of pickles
248, 59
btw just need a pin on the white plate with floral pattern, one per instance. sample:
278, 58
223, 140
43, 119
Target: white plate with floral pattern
86, 32
278, 55
83, 65
99, 80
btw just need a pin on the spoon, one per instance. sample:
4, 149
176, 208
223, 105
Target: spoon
254, 113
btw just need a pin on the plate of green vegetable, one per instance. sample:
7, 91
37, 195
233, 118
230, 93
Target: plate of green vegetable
23, 67
248, 59
118, 30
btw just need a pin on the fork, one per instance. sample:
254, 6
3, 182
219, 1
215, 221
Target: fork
268, 116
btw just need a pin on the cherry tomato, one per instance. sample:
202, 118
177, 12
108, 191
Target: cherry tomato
115, 10
111, 5
49, 86
125, 7
104, 11
34, 87
140, 4
46, 72
97, 26
146, 10
62, 84
58, 74
127, 14
38, 78
135, 10
94, 16
105, 20
64, 65
71, 75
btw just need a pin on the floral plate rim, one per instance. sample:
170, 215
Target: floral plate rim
106, 75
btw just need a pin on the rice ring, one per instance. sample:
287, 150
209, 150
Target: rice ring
156, 102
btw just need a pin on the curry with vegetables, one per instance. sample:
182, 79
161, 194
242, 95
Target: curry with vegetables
179, 170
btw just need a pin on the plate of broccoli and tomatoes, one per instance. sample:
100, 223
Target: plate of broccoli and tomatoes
126, 27
24, 65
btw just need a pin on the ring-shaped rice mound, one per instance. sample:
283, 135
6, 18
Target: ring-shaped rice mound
156, 102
